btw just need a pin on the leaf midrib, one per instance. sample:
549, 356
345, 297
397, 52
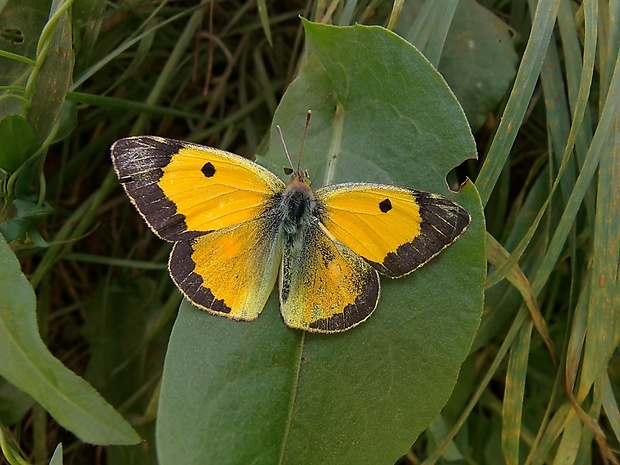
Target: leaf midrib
291, 407
333, 153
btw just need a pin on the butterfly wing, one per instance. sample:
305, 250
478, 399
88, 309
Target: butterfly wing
218, 208
229, 272
395, 229
184, 190
324, 286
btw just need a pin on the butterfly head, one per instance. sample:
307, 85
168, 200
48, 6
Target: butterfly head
298, 176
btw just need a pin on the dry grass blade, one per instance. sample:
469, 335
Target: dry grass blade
498, 256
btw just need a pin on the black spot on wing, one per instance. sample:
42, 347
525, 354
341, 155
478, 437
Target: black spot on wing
191, 283
443, 221
385, 205
139, 163
208, 169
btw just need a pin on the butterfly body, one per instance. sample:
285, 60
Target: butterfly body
237, 228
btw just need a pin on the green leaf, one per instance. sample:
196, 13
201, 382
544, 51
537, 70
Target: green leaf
52, 75
14, 403
22, 227
57, 456
262, 393
28, 364
21, 22
18, 142
479, 60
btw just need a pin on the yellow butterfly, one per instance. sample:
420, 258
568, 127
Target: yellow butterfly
235, 224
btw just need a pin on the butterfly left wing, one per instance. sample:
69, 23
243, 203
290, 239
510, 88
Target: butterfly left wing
324, 286
229, 272
396, 229
218, 207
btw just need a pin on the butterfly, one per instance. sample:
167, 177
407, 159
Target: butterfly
237, 228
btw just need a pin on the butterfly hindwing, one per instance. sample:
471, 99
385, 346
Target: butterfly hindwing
324, 286
183, 190
395, 229
230, 272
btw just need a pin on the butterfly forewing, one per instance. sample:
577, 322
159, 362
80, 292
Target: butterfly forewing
395, 229
183, 190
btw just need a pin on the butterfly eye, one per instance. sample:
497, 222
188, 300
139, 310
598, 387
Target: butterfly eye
385, 205
208, 169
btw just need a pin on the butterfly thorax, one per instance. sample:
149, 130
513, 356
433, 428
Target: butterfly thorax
299, 207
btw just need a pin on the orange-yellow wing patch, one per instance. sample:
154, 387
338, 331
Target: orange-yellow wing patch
396, 229
183, 190
229, 272
324, 286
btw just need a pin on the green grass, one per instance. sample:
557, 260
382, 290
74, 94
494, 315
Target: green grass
540, 89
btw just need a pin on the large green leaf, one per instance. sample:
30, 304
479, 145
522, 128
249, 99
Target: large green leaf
26, 363
261, 393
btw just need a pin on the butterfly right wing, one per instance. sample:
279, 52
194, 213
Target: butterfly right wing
324, 286
184, 190
396, 229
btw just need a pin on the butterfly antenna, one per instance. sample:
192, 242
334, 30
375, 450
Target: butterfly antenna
284, 145
303, 139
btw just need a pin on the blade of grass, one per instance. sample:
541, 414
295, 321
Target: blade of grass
610, 404
104, 101
443, 446
512, 407
92, 70
75, 226
558, 423
569, 444
172, 64
497, 256
527, 76
397, 7
576, 133
264, 20
429, 30
10, 451
603, 328
57, 456
438, 429
595, 152
346, 16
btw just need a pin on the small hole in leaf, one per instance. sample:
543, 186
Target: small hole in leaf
12, 35
459, 175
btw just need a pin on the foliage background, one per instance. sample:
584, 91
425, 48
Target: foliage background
541, 381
